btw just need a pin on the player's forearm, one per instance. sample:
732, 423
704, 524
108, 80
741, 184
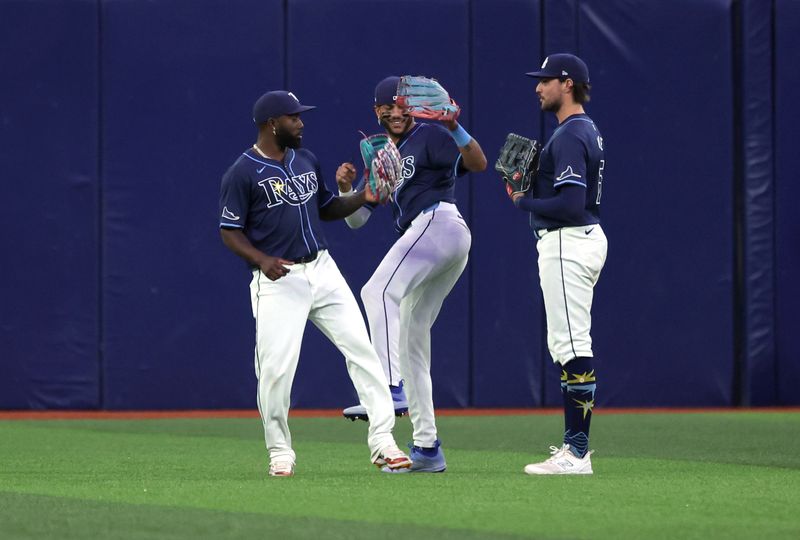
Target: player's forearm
472, 155
568, 204
360, 216
341, 207
236, 241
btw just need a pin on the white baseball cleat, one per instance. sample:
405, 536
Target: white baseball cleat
562, 461
281, 468
392, 459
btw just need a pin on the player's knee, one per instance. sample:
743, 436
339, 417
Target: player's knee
369, 293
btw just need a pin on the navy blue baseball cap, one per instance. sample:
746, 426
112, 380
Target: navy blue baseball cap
562, 66
386, 91
277, 103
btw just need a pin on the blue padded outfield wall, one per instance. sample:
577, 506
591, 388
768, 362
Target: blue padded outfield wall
50, 307
787, 192
120, 117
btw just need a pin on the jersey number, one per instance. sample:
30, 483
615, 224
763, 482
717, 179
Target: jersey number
600, 181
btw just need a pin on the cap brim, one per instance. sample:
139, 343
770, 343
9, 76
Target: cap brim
302, 108
541, 75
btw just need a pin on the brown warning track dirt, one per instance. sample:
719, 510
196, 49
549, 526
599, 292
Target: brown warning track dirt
323, 413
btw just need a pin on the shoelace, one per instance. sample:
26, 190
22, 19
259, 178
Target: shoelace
556, 452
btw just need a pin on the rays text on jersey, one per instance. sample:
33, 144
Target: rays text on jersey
294, 191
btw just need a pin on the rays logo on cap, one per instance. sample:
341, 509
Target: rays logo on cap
294, 96
545, 62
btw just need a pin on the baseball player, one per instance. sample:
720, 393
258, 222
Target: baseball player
272, 201
565, 218
403, 297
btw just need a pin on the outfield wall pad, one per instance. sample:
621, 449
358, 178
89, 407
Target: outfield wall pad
128, 299
49, 306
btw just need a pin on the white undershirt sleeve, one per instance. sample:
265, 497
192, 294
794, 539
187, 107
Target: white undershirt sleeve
359, 217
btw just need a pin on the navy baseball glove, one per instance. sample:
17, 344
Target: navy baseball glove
517, 163
383, 165
426, 98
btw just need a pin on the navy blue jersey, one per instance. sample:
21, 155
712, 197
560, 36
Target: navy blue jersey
573, 155
276, 203
431, 162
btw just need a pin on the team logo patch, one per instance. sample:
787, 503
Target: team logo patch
567, 174
227, 214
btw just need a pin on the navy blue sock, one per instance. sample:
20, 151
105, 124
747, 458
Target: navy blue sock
429, 452
578, 403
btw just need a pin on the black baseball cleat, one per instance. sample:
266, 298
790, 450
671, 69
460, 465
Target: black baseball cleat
359, 412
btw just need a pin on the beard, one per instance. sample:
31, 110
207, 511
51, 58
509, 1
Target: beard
553, 107
284, 139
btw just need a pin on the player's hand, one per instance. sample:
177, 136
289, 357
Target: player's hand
513, 195
345, 175
274, 267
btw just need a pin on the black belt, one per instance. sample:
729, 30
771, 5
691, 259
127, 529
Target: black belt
307, 259
548, 229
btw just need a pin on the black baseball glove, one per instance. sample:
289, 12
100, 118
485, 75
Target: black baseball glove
517, 163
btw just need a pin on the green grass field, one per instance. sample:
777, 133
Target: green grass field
705, 475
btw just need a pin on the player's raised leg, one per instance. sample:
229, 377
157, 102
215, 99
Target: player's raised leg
286, 301
409, 261
405, 265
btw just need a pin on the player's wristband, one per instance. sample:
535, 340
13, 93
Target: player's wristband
460, 135
347, 193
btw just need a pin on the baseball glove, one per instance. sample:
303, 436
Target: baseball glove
383, 165
426, 98
518, 160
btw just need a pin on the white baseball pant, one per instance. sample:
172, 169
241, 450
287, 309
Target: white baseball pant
570, 261
314, 291
403, 298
